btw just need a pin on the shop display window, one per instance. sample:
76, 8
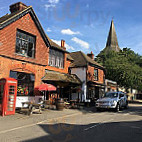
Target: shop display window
25, 83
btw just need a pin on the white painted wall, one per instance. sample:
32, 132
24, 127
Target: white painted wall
81, 73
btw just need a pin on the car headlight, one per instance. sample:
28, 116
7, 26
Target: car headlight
112, 102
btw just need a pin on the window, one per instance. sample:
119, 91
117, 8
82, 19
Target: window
25, 44
25, 83
96, 74
1, 93
56, 58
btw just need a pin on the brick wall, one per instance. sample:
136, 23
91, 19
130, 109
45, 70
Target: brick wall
8, 40
90, 75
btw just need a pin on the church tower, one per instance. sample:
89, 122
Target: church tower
112, 42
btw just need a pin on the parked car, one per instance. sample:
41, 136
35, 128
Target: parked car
112, 100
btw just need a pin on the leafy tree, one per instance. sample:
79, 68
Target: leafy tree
125, 67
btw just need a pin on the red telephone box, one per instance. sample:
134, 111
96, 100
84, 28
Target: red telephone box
8, 93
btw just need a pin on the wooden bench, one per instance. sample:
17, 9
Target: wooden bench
32, 107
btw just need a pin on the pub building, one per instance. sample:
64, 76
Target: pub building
28, 55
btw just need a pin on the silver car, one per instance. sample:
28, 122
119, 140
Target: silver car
112, 100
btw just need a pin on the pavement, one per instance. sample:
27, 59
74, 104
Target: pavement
83, 125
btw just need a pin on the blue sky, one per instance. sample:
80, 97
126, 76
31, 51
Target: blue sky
84, 24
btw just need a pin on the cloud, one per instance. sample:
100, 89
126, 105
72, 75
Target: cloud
48, 30
66, 45
69, 32
80, 42
51, 4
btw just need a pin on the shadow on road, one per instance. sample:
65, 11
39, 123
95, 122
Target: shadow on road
95, 132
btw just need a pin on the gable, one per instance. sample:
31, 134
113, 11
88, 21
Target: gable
8, 39
9, 19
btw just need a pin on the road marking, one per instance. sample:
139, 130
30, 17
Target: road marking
30, 125
103, 122
135, 127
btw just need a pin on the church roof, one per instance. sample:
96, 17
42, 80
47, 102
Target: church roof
112, 42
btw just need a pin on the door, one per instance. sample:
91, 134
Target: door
97, 93
11, 99
122, 101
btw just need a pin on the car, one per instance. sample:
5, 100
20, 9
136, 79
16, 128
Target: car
112, 100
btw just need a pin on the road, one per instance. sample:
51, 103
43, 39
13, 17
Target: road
81, 126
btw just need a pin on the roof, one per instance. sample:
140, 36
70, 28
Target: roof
112, 42
54, 45
69, 57
82, 60
12, 15
10, 18
56, 76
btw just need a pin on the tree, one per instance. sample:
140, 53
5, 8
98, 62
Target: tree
123, 67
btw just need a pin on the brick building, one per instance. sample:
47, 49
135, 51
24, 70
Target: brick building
27, 53
90, 73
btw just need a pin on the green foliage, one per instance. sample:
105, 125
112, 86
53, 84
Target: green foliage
124, 67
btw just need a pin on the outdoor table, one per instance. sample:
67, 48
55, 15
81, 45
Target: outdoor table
32, 107
65, 99
73, 102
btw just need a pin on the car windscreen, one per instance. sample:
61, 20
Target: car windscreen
111, 95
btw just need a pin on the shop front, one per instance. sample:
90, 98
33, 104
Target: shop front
65, 83
95, 91
25, 87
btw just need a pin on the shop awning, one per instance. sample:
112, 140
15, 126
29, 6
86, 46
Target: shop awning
61, 77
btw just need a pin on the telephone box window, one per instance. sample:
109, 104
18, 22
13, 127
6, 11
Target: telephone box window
1, 93
25, 44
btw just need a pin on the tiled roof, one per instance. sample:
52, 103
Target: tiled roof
11, 15
56, 76
82, 60
69, 57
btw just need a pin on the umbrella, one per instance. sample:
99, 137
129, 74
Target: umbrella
46, 87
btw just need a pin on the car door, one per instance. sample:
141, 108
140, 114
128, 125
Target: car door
122, 100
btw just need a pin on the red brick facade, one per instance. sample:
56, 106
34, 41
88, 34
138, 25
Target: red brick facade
9, 60
90, 75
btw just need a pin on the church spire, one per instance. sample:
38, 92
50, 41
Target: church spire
112, 42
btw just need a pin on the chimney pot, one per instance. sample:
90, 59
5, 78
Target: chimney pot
63, 43
17, 6
91, 55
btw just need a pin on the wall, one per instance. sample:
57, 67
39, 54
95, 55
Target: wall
8, 40
7, 64
90, 75
81, 73
66, 66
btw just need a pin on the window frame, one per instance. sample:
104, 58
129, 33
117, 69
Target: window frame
27, 40
56, 58
96, 77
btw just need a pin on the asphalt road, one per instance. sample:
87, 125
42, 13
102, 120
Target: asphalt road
82, 126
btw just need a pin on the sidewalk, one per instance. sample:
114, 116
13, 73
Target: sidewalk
20, 120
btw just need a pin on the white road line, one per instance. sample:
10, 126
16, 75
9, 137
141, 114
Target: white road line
30, 125
92, 127
135, 127
103, 122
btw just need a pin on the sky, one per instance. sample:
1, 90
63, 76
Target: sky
84, 24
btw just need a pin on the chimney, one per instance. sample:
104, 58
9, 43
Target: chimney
17, 6
91, 55
62, 43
